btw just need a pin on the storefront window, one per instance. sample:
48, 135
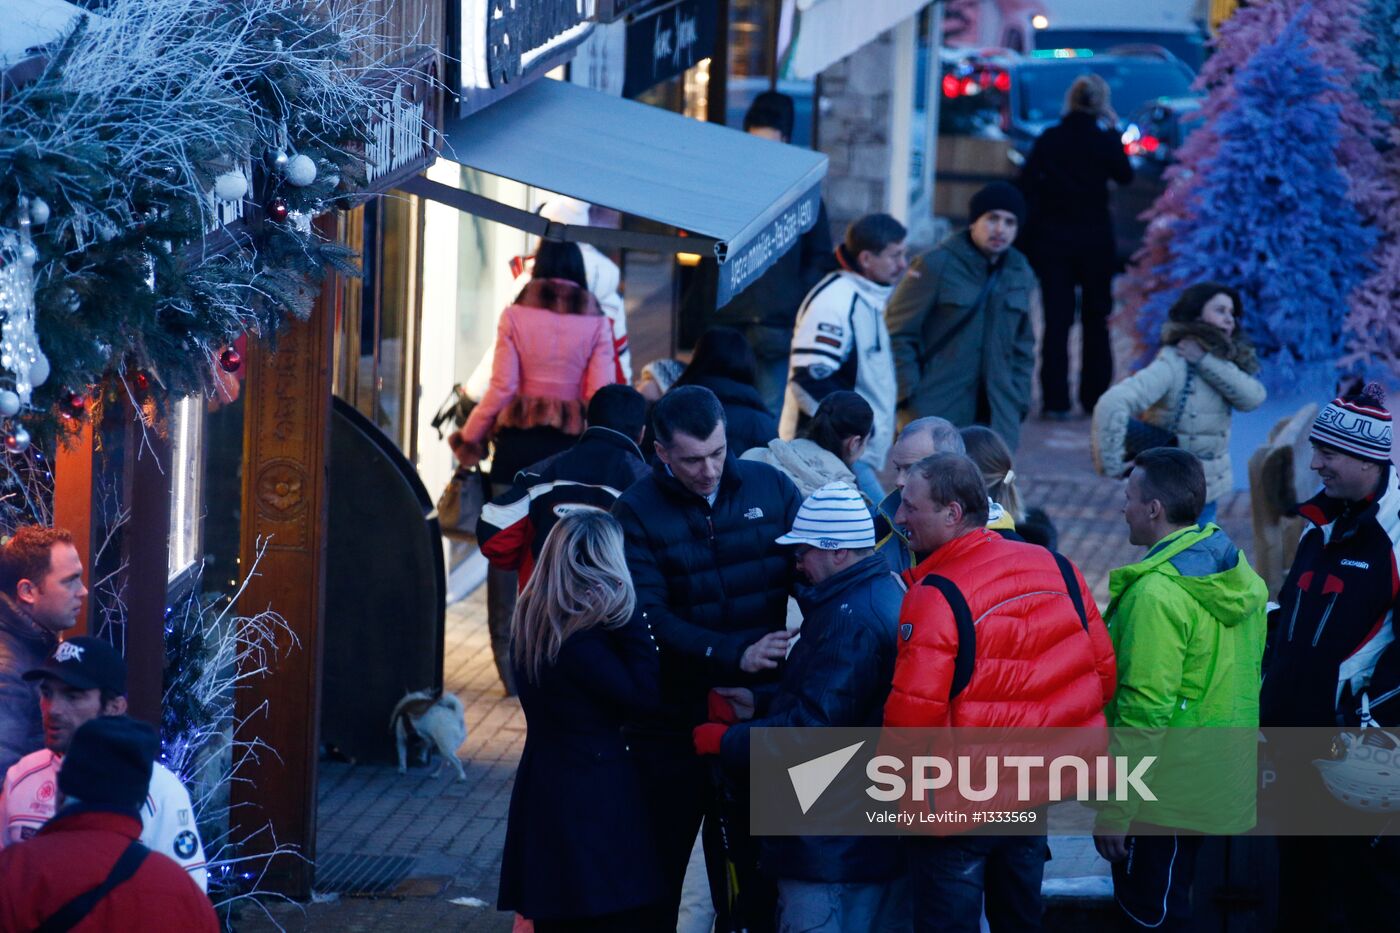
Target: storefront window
186, 471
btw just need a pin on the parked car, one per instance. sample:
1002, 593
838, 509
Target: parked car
1152, 137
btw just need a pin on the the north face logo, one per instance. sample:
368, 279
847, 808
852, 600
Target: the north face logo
906, 630
67, 651
753, 513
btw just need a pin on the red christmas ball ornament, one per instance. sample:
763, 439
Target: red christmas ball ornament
230, 360
277, 209
77, 402
141, 381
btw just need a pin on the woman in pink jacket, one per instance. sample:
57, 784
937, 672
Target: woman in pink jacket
554, 349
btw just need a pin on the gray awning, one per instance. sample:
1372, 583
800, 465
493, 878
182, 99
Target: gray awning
745, 198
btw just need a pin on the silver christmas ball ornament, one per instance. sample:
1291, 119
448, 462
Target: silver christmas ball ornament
230, 186
39, 211
39, 369
9, 403
28, 254
279, 159
300, 171
17, 442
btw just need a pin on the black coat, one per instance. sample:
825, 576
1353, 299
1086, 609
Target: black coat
748, 422
838, 674
710, 579
579, 841
1067, 174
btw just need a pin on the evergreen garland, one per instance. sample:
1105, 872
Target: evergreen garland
122, 137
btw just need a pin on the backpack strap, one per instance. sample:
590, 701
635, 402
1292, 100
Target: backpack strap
76, 910
967, 633
1072, 587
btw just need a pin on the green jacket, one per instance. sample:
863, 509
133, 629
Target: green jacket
1188, 626
944, 373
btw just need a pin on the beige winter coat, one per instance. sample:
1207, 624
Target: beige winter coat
1153, 394
809, 466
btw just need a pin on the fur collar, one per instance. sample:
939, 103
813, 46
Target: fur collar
1238, 351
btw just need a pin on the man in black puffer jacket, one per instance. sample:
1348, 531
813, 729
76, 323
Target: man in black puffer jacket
713, 584
838, 674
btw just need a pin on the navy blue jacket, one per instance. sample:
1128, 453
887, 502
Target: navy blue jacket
710, 579
838, 674
748, 422
579, 840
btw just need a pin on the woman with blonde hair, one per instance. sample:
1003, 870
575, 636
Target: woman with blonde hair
580, 852
1069, 239
986, 449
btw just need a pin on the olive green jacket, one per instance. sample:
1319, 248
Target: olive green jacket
944, 373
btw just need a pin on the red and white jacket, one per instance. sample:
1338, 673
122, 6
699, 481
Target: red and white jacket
29, 799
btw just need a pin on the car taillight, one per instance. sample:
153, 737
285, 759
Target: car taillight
952, 86
1003, 81
1143, 145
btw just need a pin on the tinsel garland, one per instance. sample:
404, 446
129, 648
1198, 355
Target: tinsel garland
140, 138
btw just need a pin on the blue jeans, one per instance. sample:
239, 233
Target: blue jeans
814, 907
952, 875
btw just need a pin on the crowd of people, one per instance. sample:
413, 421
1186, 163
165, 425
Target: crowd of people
854, 550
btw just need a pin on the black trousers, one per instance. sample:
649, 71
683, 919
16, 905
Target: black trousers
641, 920
1153, 884
682, 794
1069, 260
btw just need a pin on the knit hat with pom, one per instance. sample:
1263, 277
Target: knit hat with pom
1357, 424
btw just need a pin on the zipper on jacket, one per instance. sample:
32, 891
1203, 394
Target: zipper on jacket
1322, 623
710, 524
1294, 620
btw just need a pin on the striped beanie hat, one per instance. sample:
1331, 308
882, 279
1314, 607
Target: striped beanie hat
832, 518
1358, 425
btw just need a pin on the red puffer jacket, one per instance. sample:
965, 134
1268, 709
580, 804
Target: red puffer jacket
1034, 663
73, 853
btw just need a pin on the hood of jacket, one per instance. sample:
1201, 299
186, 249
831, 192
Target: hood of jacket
869, 289
1207, 565
809, 465
730, 392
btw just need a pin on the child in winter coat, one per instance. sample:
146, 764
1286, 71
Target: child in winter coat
1205, 371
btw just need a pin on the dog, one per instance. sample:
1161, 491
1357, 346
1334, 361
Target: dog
435, 718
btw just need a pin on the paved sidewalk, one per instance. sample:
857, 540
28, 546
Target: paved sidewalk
455, 830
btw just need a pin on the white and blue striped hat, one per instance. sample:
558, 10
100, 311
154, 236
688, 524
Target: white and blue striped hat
832, 518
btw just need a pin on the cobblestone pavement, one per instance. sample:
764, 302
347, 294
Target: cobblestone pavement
455, 830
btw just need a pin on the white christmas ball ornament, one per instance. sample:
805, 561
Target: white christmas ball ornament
38, 211
28, 254
230, 186
9, 403
18, 441
39, 369
300, 171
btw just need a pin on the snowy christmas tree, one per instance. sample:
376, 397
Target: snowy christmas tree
1270, 213
1334, 29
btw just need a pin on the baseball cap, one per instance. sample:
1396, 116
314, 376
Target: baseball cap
86, 663
833, 517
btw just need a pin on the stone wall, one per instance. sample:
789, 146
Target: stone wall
854, 132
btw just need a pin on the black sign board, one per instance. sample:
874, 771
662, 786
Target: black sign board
661, 45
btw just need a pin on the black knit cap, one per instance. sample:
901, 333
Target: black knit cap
998, 196
109, 763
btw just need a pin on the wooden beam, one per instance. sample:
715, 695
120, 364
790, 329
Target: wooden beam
145, 545
286, 435
73, 474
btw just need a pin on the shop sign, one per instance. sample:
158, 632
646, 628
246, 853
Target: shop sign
741, 267
402, 130
504, 41
610, 11
666, 43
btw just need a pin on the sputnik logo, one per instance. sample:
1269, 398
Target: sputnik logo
811, 778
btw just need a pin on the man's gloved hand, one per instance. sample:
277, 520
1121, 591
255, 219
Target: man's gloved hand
707, 737
719, 709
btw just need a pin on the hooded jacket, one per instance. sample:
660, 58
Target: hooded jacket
709, 577
23, 646
1334, 637
807, 464
748, 422
1196, 401
1188, 626
981, 370
838, 674
841, 342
